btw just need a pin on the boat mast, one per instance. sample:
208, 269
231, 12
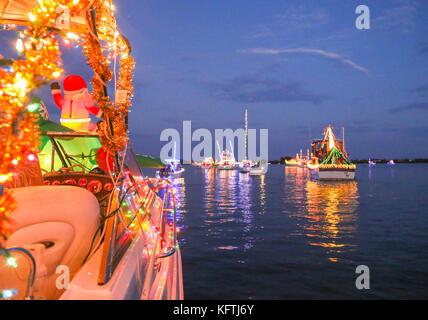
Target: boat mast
246, 132
343, 140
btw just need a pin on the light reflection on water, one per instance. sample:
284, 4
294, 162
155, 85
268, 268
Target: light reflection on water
326, 214
286, 236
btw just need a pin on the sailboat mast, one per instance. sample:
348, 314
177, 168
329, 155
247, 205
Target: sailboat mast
246, 132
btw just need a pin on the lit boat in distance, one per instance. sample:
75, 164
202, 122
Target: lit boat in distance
207, 162
172, 170
259, 169
245, 166
227, 161
295, 162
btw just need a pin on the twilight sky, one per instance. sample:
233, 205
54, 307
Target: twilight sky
297, 66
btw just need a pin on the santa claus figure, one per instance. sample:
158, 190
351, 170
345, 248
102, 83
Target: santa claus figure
76, 104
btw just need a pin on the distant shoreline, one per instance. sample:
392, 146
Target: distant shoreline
417, 160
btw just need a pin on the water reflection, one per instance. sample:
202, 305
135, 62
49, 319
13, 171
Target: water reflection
331, 215
179, 187
228, 208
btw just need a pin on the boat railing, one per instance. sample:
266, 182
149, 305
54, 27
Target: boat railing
169, 224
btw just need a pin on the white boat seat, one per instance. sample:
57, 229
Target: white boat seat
64, 217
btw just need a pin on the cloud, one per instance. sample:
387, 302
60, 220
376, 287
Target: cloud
401, 17
263, 32
252, 88
301, 17
419, 105
294, 18
323, 53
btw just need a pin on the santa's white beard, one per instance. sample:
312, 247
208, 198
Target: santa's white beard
84, 97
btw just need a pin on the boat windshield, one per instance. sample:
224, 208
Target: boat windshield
68, 149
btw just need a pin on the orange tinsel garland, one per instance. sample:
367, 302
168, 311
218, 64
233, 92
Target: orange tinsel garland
40, 63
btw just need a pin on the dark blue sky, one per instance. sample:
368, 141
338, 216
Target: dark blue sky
297, 66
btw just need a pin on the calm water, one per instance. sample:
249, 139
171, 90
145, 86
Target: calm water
285, 236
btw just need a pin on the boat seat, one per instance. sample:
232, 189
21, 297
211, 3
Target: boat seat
62, 218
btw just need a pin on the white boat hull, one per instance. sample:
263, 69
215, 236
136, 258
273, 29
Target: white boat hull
129, 281
226, 167
333, 174
257, 172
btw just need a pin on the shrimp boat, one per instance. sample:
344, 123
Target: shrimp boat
227, 161
329, 161
86, 223
259, 169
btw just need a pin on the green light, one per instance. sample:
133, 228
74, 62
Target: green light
11, 261
33, 107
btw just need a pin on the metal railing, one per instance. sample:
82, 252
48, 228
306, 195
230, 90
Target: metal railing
169, 198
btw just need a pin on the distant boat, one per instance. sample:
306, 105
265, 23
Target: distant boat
207, 162
372, 163
227, 161
172, 170
260, 169
295, 162
332, 158
245, 166
391, 163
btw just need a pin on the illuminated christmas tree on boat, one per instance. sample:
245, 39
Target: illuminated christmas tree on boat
329, 159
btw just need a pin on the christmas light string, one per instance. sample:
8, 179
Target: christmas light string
40, 63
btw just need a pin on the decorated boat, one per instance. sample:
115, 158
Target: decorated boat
332, 162
172, 169
208, 162
259, 169
294, 162
245, 166
391, 163
78, 219
227, 161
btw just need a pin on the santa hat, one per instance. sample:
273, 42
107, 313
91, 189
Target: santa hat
73, 84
